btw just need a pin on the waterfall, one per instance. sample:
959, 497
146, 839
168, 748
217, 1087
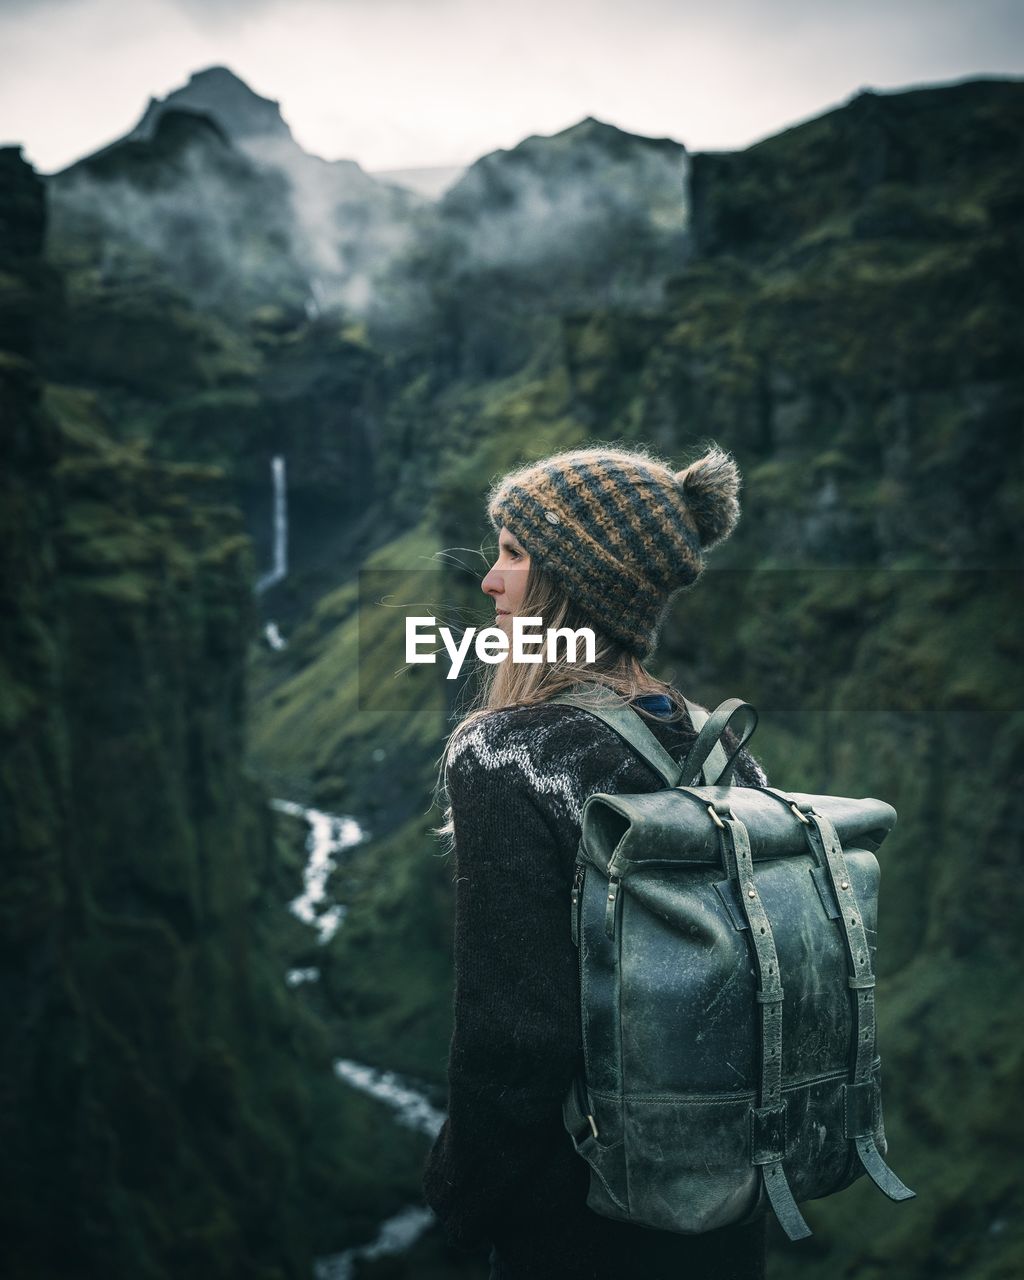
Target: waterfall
280, 565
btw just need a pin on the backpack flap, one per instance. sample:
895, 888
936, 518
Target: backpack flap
622, 832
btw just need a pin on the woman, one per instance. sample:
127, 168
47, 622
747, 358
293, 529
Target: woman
597, 537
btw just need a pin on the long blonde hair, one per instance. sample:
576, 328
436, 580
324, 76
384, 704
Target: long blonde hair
523, 684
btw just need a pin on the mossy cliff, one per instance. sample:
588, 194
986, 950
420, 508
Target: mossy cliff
169, 1108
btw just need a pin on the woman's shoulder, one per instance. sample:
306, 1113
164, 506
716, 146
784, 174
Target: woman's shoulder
529, 744
545, 756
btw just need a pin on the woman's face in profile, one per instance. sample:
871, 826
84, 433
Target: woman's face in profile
505, 580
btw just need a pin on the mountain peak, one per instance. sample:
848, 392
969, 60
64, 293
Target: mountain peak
219, 73
224, 96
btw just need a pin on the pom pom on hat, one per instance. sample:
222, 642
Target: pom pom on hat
711, 488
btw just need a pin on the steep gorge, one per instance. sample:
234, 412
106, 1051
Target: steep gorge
839, 306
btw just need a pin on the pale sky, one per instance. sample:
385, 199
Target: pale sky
410, 83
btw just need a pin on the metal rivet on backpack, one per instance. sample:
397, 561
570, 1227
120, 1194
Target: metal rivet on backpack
750, 893
551, 517
845, 885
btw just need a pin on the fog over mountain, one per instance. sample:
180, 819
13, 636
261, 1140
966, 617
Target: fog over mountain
211, 183
344, 224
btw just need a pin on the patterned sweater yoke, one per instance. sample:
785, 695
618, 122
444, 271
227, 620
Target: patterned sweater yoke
562, 754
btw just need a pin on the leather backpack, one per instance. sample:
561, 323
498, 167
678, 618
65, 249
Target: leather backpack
726, 941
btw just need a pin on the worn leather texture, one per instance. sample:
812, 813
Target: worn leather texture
671, 1019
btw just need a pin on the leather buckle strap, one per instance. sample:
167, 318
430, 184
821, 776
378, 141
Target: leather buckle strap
768, 1119
824, 841
859, 1114
769, 994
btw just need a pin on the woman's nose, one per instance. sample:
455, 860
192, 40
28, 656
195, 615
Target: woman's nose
492, 583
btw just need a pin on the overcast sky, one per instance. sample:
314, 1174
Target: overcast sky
408, 83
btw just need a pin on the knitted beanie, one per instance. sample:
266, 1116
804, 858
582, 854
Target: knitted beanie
619, 530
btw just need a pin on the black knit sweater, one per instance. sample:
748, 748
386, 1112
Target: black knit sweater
503, 1171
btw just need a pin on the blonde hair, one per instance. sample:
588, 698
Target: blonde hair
525, 684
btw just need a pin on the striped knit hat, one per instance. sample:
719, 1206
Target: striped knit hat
619, 530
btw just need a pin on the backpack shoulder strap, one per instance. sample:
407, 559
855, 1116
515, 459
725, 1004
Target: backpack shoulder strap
716, 762
709, 760
702, 759
608, 706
